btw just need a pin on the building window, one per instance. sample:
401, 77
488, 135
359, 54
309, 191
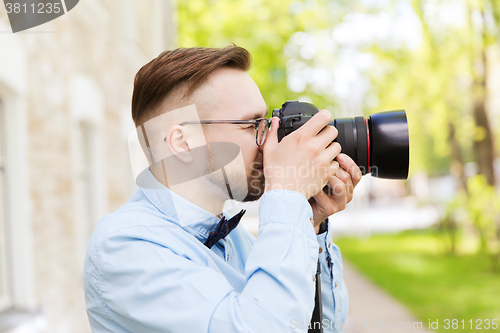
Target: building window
87, 109
5, 293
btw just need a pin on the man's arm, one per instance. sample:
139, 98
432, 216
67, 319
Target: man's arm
146, 287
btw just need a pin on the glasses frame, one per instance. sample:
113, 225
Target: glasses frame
255, 122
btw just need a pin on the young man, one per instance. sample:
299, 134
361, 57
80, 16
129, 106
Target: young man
165, 263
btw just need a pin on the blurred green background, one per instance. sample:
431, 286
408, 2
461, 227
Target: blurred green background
437, 59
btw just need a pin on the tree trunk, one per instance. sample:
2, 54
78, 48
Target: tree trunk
483, 142
457, 163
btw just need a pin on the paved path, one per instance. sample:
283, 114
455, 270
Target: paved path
369, 304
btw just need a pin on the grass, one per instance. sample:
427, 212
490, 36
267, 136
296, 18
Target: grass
414, 267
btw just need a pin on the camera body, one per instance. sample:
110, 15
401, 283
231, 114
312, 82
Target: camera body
379, 144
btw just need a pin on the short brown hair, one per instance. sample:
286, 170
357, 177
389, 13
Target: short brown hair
183, 66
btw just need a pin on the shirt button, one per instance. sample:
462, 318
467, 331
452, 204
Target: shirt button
320, 250
314, 278
339, 310
335, 284
329, 244
228, 257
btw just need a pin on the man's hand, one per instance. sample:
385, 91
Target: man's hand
341, 186
302, 161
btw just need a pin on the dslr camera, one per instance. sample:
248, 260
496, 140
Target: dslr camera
379, 144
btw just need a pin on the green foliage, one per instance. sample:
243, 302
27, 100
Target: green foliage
433, 82
479, 210
415, 268
262, 27
483, 206
455, 220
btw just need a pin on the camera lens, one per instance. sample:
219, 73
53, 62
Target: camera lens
378, 144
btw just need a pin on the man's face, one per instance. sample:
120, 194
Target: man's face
231, 94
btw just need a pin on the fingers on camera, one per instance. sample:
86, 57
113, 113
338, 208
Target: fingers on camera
326, 136
344, 176
314, 125
350, 166
339, 191
333, 150
334, 167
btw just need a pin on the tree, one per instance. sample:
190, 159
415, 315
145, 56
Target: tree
263, 28
481, 38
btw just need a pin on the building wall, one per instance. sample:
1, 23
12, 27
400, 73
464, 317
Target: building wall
72, 79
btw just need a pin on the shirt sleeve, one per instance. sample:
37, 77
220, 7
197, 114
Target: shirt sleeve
147, 287
333, 290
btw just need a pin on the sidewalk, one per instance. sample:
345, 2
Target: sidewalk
369, 304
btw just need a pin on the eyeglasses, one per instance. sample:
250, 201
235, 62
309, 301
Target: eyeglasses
262, 126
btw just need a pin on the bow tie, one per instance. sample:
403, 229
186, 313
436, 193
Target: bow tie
223, 228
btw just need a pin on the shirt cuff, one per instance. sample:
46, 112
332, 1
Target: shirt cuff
287, 207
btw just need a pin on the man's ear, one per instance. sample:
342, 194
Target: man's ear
177, 143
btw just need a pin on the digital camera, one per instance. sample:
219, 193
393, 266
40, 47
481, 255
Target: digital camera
379, 144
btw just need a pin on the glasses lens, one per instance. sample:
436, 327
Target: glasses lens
262, 131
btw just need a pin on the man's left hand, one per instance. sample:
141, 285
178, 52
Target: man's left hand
341, 186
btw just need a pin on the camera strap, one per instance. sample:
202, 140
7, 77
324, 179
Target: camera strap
317, 316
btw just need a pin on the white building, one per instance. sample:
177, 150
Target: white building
65, 92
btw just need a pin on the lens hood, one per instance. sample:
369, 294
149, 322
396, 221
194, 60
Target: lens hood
390, 151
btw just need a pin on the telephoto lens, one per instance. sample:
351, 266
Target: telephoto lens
379, 144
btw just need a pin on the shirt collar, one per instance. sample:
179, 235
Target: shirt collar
190, 217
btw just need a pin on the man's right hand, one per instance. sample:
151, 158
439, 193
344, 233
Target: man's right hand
303, 160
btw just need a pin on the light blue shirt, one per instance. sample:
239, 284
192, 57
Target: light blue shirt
147, 269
